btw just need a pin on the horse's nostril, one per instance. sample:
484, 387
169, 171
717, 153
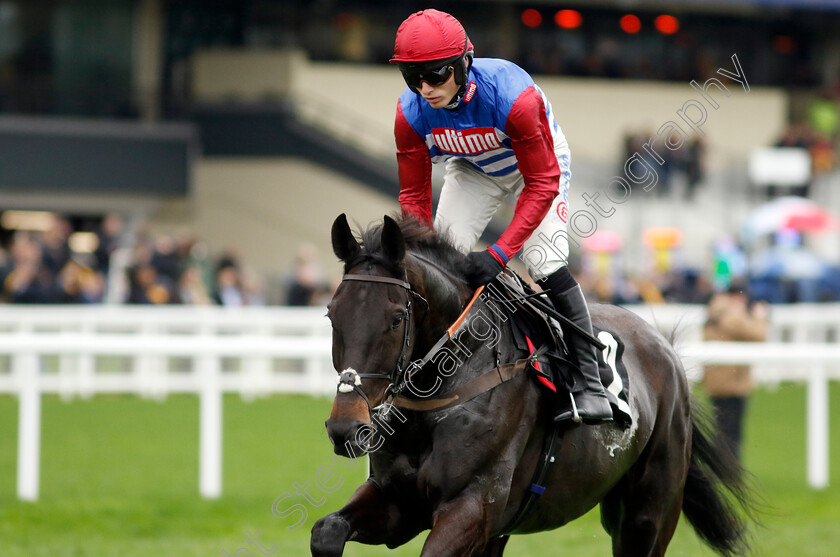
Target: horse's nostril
340, 432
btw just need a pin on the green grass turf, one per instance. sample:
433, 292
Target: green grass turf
119, 477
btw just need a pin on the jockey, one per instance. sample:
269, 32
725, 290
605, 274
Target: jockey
495, 130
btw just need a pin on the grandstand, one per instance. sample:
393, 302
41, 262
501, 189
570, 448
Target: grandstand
272, 98
149, 147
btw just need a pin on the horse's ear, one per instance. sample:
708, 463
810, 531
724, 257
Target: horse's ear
393, 243
344, 244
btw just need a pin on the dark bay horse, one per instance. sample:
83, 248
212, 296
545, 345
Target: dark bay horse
463, 471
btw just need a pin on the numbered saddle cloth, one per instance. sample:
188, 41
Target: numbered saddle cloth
614, 374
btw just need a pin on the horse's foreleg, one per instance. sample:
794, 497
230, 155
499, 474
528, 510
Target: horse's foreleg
329, 536
459, 528
368, 517
495, 547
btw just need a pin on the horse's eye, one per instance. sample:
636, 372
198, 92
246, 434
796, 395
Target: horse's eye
395, 323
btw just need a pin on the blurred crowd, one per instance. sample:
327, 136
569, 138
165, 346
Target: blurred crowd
40, 268
782, 269
686, 163
692, 286
115, 265
679, 287
816, 129
177, 269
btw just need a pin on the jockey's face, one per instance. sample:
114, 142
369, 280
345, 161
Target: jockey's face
438, 96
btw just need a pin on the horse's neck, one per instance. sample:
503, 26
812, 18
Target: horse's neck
475, 349
446, 297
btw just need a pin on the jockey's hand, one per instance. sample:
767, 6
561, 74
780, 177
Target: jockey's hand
483, 268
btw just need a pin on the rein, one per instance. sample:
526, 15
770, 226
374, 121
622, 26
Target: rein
468, 390
349, 380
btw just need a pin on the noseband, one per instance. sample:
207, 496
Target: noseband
350, 379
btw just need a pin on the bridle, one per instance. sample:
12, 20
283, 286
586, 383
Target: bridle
400, 377
349, 379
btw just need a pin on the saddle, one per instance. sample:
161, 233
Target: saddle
542, 336
537, 334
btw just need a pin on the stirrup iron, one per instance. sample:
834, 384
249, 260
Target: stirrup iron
575, 414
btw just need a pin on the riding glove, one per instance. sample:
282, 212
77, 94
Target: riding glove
483, 268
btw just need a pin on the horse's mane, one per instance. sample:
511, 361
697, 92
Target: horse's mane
421, 240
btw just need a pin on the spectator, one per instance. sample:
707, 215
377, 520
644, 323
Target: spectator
25, 279
253, 288
692, 166
634, 147
191, 289
730, 318
110, 238
55, 248
77, 283
228, 286
146, 287
687, 286
729, 262
165, 259
788, 271
193, 253
305, 278
649, 291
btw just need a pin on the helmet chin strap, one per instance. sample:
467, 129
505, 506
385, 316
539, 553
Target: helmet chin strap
456, 100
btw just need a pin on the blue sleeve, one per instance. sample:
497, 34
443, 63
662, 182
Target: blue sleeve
411, 110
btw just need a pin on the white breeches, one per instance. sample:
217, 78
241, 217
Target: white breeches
470, 198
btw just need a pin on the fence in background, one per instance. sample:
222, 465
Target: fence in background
86, 350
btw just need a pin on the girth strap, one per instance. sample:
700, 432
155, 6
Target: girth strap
467, 391
553, 438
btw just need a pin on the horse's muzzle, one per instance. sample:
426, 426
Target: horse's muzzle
342, 434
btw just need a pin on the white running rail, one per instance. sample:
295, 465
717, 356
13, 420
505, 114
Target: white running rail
73, 350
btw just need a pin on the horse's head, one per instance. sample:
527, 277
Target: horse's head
373, 321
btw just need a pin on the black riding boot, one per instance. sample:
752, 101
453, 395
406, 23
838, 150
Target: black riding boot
592, 404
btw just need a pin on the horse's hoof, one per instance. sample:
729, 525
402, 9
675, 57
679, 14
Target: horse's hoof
329, 536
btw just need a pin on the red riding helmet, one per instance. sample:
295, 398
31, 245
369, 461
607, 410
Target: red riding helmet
430, 35
430, 39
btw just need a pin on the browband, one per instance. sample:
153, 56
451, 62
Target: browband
374, 278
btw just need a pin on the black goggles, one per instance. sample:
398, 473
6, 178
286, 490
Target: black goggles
434, 77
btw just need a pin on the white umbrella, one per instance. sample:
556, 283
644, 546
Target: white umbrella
797, 213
